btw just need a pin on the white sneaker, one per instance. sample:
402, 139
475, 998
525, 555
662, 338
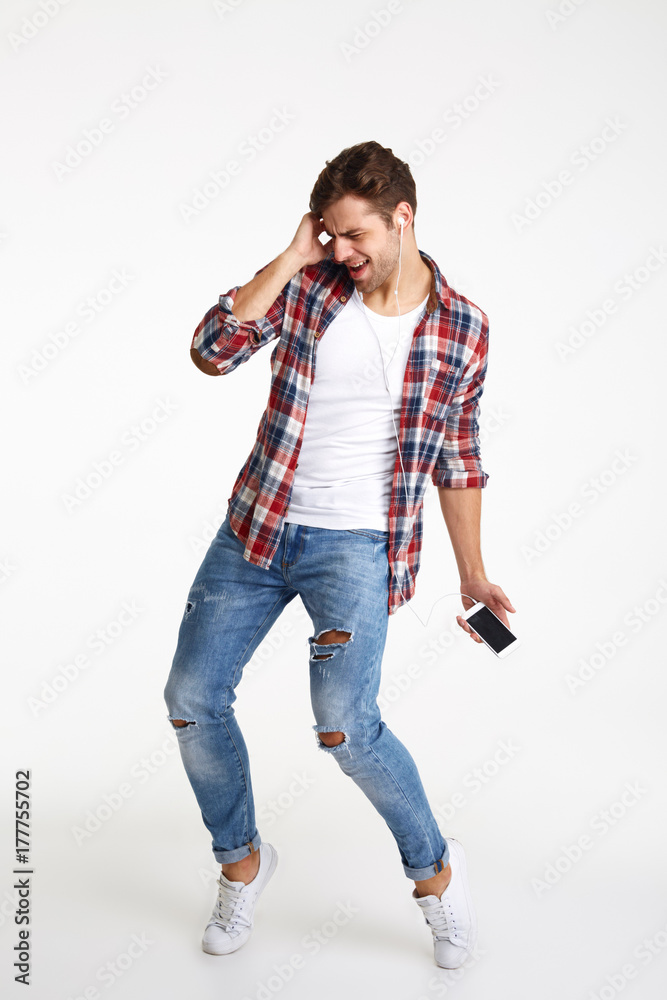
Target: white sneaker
452, 917
231, 921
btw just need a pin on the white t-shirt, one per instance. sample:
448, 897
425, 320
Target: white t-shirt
346, 463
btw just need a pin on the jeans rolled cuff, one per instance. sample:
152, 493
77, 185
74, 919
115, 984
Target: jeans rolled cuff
418, 874
227, 857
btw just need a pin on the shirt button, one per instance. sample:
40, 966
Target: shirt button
343, 298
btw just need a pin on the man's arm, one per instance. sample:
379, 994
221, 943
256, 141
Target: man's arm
254, 299
228, 336
459, 476
462, 508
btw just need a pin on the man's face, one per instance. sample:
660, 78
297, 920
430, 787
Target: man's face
362, 242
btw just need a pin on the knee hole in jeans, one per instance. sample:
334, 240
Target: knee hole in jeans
329, 637
332, 739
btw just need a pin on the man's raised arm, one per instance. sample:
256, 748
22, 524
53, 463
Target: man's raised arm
254, 299
227, 337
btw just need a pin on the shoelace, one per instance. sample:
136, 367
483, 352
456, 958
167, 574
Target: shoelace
228, 910
440, 921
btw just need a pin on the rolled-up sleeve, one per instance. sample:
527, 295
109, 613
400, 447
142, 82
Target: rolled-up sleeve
223, 341
459, 462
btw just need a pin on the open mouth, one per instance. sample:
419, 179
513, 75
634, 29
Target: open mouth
358, 269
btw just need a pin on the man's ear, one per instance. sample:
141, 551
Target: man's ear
403, 211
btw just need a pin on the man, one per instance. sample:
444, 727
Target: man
377, 370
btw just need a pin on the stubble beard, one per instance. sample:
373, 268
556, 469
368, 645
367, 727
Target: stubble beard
383, 264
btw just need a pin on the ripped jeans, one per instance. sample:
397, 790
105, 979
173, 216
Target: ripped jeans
341, 576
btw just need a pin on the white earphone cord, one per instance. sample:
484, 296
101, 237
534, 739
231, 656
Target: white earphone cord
393, 420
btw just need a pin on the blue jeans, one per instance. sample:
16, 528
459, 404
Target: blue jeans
341, 576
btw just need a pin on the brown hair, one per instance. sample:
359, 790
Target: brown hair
367, 170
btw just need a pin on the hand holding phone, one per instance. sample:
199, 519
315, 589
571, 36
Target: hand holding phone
491, 630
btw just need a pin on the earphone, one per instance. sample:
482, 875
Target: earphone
401, 223
384, 367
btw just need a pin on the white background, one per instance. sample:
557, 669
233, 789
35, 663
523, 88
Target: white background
571, 530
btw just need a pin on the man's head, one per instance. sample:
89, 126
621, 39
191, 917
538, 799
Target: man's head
362, 195
369, 171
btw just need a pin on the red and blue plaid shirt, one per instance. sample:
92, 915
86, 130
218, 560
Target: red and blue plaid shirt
438, 431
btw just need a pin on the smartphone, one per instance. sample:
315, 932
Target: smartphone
491, 630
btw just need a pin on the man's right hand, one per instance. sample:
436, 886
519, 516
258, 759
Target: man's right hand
254, 299
306, 244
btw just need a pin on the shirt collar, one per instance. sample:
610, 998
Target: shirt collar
440, 293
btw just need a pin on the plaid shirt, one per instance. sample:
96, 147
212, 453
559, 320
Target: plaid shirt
438, 429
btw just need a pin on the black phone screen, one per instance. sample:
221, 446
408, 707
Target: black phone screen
485, 623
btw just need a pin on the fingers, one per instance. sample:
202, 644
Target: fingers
499, 603
504, 600
318, 228
466, 628
487, 593
500, 612
318, 224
